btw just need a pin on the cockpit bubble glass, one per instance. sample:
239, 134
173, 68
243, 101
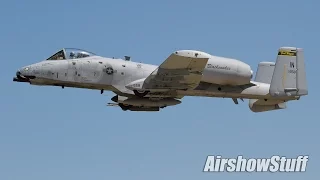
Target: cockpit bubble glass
71, 53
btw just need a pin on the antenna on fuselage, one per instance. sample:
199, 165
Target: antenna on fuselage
127, 58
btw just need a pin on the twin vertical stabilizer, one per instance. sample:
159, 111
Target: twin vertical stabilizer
289, 76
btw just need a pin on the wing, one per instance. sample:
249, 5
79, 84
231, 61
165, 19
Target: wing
182, 70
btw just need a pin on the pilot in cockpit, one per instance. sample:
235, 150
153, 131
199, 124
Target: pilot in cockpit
72, 55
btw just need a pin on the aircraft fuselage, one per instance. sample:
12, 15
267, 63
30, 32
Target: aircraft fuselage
222, 77
146, 87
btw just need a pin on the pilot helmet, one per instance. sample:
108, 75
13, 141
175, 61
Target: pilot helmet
72, 54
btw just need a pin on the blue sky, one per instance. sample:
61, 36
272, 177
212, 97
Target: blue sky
53, 133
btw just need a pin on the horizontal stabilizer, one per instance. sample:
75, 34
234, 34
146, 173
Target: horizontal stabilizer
263, 106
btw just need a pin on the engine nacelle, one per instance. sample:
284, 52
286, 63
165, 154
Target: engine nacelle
225, 71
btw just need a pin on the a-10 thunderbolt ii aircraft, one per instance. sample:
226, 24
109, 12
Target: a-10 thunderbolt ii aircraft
145, 87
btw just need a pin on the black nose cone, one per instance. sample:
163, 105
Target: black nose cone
20, 78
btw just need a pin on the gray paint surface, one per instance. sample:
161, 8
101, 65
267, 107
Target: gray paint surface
184, 73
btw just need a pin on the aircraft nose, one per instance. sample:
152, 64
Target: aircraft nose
24, 75
24, 70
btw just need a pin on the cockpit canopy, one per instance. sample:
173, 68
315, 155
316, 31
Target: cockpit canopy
71, 53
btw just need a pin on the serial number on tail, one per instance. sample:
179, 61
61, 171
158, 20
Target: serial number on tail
292, 71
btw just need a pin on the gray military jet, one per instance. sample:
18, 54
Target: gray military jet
145, 87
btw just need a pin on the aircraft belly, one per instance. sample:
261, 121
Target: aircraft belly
259, 91
51, 82
218, 94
